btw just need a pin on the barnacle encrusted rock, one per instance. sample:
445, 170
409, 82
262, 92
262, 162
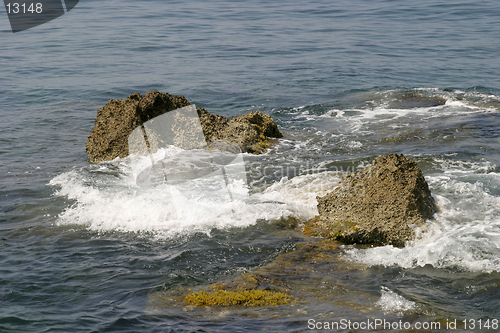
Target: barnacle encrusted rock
118, 118
382, 204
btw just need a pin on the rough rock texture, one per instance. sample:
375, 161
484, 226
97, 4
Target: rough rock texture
249, 132
379, 205
118, 118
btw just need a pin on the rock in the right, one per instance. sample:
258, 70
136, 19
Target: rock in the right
381, 204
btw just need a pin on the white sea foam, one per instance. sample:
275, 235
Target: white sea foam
391, 302
382, 109
105, 199
302, 191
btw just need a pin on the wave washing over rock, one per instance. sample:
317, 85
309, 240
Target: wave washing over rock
383, 204
386, 203
292, 182
107, 198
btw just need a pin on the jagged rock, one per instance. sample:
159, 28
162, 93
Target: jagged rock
382, 204
249, 132
118, 118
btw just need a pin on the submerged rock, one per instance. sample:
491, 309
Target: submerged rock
410, 100
118, 118
303, 279
382, 204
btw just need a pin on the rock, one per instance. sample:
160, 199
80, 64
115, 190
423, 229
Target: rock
410, 100
249, 132
118, 118
382, 204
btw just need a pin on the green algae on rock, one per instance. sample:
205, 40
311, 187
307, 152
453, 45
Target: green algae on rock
315, 274
382, 204
253, 297
270, 284
118, 118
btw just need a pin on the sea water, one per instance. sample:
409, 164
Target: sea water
84, 249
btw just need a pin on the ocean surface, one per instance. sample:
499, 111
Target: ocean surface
83, 249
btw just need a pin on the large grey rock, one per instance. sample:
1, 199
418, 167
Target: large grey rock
382, 204
118, 118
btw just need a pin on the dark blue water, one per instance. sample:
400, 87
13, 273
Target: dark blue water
81, 254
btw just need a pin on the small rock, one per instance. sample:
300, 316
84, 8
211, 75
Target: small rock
382, 204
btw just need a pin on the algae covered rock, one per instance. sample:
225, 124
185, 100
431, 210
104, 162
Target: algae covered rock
253, 297
118, 118
381, 204
280, 282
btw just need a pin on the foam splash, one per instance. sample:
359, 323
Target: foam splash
391, 302
386, 107
463, 235
106, 198
302, 190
